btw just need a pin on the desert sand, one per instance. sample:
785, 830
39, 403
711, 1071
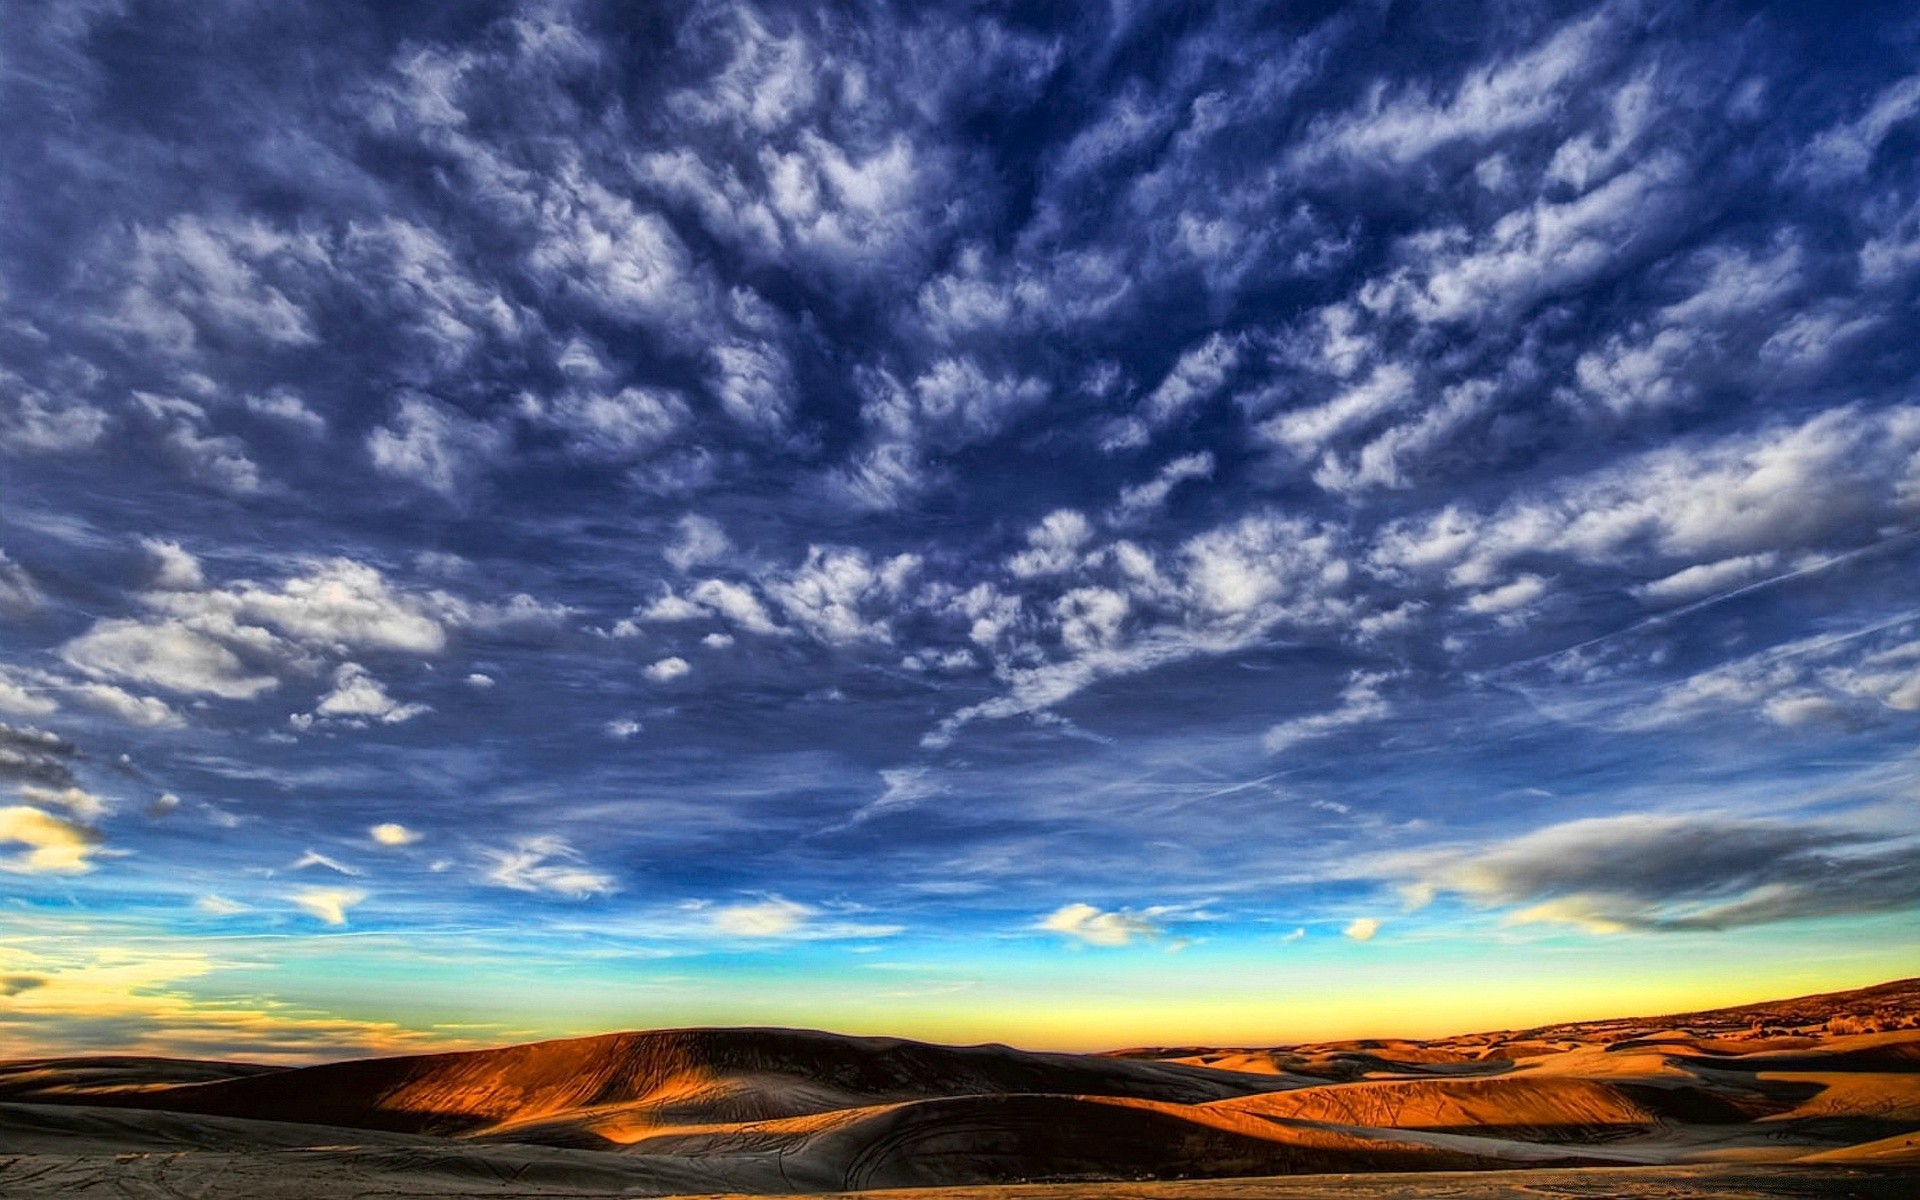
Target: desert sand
1818, 1096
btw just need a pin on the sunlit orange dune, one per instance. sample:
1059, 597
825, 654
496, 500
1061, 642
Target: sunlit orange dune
1818, 1088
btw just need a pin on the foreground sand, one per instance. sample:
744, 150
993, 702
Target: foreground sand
1818, 1096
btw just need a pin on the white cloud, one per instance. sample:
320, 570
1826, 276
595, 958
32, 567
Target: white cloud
1198, 373
223, 642
1053, 546
237, 278
18, 592
218, 461
287, 406
1147, 496
175, 570
1705, 579
25, 696
1304, 431
165, 654
220, 906
390, 833
754, 382
546, 864
1360, 703
313, 858
734, 601
831, 593
770, 918
79, 803
622, 728
1493, 100
1847, 149
35, 424
667, 670
357, 694
1836, 477
700, 541
1508, 597
432, 445
479, 682
1094, 927
1362, 929
328, 905
632, 421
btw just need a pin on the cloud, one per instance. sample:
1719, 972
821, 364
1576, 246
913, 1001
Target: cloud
629, 423
25, 696
1672, 872
220, 906
391, 833
357, 695
36, 757
700, 541
1361, 929
217, 461
196, 277
1092, 926
1494, 99
1053, 546
1832, 479
328, 905
91, 996
832, 592
148, 711
81, 804
769, 918
53, 845
313, 858
735, 602
1360, 703
238, 641
1305, 431
1848, 678
776, 918
1145, 497
622, 728
18, 592
288, 407
545, 863
667, 670
1847, 150
1704, 579
173, 655
434, 446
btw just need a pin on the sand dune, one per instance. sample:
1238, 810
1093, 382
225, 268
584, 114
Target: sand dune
1830, 1084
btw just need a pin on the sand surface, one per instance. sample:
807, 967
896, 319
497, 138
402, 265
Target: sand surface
1818, 1096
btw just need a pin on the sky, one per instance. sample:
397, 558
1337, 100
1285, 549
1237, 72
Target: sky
1074, 525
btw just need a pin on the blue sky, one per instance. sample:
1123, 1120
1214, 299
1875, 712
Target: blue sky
1081, 525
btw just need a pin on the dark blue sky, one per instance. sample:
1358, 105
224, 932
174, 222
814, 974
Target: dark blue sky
984, 496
